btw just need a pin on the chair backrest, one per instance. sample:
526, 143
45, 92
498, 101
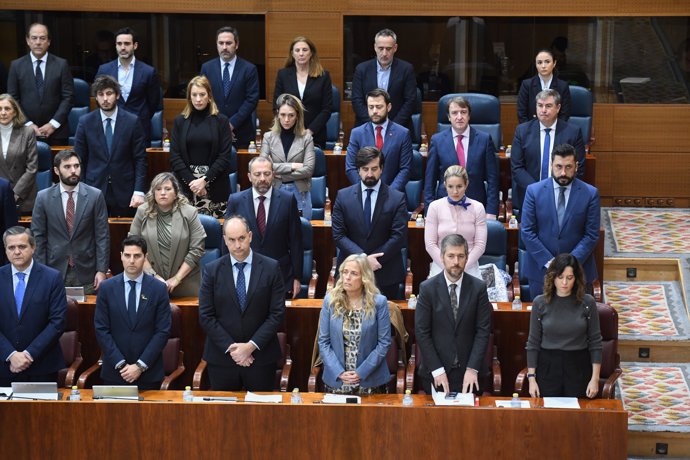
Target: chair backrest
610, 360
496, 245
525, 295
81, 93
486, 114
214, 238
416, 133
73, 119
157, 129
582, 110
69, 340
284, 353
171, 351
44, 176
308, 247
318, 185
415, 185
233, 175
333, 123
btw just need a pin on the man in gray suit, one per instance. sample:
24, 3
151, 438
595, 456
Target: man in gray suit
42, 85
452, 323
70, 224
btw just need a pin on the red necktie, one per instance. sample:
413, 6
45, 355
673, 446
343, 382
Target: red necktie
261, 216
69, 218
460, 151
379, 138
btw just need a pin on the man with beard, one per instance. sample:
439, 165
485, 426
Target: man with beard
139, 82
110, 143
371, 218
534, 141
452, 323
560, 214
392, 139
70, 225
273, 220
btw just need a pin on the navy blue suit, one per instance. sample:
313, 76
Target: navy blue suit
397, 152
481, 166
145, 95
544, 240
39, 326
402, 88
144, 340
123, 171
387, 234
8, 211
525, 159
527, 104
283, 238
242, 98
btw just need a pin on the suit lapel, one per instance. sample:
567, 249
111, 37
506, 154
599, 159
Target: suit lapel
442, 288
380, 200
575, 194
372, 77
235, 74
273, 209
143, 298
56, 212
177, 223
82, 204
35, 279
7, 286
256, 274
465, 293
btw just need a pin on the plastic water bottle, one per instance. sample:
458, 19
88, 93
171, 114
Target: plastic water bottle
512, 223
412, 302
166, 145
517, 303
419, 221
423, 150
515, 402
187, 396
295, 397
337, 148
75, 395
252, 147
407, 399
258, 139
327, 210
509, 150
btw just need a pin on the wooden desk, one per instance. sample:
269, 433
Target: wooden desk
379, 428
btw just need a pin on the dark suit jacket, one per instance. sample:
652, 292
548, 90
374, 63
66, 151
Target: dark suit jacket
40, 325
242, 99
218, 158
402, 87
317, 100
481, 166
527, 105
89, 242
21, 165
125, 167
8, 211
397, 152
57, 94
145, 95
120, 340
440, 336
388, 233
283, 238
223, 321
542, 237
525, 159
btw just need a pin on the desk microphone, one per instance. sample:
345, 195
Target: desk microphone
121, 398
13, 396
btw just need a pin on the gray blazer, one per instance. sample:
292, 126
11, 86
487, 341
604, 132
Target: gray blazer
20, 166
89, 242
188, 242
301, 151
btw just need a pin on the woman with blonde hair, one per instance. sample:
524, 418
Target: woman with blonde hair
355, 332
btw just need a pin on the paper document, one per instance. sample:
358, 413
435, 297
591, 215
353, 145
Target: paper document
253, 397
561, 403
5, 392
506, 403
330, 398
462, 399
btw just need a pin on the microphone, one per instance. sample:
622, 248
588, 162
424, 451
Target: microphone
121, 398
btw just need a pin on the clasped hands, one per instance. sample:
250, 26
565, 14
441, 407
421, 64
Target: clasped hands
198, 186
349, 378
241, 353
19, 362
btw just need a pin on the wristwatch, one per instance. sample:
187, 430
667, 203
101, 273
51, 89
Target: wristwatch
529, 376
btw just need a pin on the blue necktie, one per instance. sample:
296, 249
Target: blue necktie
560, 209
108, 134
226, 79
132, 302
367, 209
19, 292
240, 285
547, 153
40, 83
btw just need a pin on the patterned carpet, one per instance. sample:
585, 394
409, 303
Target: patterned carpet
656, 231
656, 395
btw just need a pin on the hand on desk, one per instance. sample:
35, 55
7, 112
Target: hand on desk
241, 353
130, 373
534, 388
469, 381
442, 381
593, 388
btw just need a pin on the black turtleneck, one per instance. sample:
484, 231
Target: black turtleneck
287, 136
200, 138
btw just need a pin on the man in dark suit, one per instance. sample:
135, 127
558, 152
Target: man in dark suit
452, 323
42, 85
534, 141
8, 210
70, 224
32, 313
139, 82
235, 85
132, 322
110, 143
387, 136
476, 153
241, 308
279, 234
393, 75
560, 214
371, 218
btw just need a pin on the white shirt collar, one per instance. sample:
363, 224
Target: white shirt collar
63, 190
268, 194
44, 59
449, 282
552, 127
138, 279
465, 133
376, 187
248, 260
131, 64
113, 117
27, 271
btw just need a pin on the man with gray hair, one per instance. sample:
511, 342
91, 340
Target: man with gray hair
534, 141
389, 73
452, 323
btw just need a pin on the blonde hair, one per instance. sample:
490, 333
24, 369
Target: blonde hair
456, 171
296, 104
19, 118
202, 82
315, 67
338, 302
160, 179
